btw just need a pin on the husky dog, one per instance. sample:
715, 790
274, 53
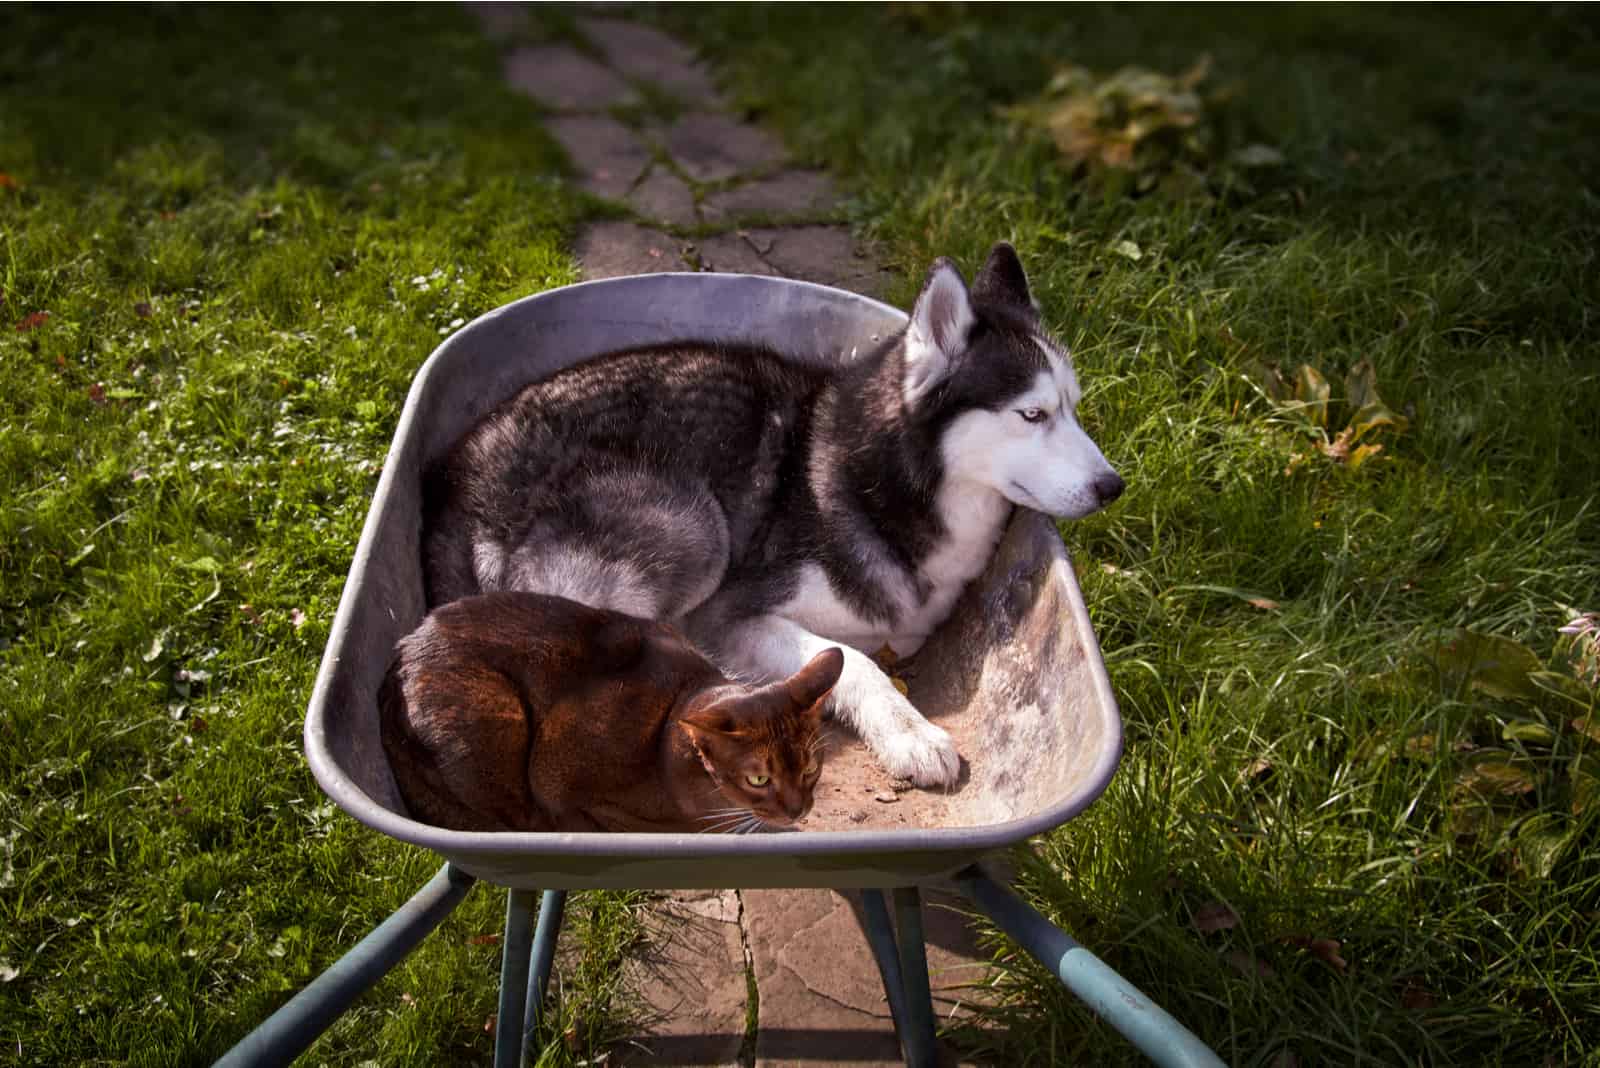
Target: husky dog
772, 510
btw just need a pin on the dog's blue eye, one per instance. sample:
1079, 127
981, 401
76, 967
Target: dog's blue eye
1032, 415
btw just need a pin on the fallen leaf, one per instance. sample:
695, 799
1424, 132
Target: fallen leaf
1588, 725
97, 393
484, 940
1257, 770
32, 322
1499, 667
1415, 996
1338, 450
250, 614
408, 999
1492, 778
1215, 916
297, 617
8, 971
1266, 604
8, 182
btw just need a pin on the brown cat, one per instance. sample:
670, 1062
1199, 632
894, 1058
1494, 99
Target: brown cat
524, 712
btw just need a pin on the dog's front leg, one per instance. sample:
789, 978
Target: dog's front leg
905, 743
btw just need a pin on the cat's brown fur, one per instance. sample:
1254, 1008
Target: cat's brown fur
523, 712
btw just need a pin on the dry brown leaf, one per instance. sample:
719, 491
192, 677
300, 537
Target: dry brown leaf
1324, 949
32, 322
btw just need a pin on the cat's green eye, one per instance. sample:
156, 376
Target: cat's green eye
758, 780
813, 767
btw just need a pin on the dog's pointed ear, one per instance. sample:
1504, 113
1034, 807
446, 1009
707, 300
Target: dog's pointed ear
940, 322
1002, 280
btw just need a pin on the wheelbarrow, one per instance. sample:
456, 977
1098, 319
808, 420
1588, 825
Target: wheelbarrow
1015, 675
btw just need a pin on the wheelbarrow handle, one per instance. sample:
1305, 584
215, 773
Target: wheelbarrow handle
286, 1033
1141, 1021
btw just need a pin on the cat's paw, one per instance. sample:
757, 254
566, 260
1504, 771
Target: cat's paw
921, 752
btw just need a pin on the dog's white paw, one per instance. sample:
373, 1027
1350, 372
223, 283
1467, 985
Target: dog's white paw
921, 752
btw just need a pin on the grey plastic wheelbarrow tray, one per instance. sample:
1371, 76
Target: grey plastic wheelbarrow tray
1016, 674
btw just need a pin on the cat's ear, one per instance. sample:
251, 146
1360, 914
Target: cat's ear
713, 743
811, 683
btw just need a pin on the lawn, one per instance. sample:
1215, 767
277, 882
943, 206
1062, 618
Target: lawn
1356, 821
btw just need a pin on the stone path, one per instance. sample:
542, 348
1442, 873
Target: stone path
708, 192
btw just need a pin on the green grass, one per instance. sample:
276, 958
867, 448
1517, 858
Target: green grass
248, 229
1305, 761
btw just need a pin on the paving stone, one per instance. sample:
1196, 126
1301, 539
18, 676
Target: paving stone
612, 249
500, 21
647, 54
664, 198
789, 195
819, 996
562, 78
825, 254
609, 157
712, 147
731, 254
691, 982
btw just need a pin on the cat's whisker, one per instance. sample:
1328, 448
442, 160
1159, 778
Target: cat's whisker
731, 820
739, 809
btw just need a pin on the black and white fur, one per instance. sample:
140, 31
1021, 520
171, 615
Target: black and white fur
773, 510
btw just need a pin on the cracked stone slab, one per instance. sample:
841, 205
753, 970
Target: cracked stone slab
649, 55
664, 198
691, 983
711, 147
821, 997
788, 195
612, 249
564, 79
609, 157
731, 254
825, 254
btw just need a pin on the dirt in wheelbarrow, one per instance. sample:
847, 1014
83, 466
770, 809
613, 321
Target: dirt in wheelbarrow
856, 793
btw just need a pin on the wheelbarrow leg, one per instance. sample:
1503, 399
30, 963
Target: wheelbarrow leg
287, 1032
903, 964
551, 909
1160, 1037
508, 1032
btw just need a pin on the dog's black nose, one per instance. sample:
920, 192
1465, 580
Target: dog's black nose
1108, 487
